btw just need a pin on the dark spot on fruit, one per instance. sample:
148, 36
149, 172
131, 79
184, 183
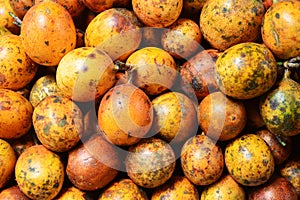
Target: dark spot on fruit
254, 10
20, 60
63, 51
92, 56
274, 104
26, 7
39, 117
47, 43
277, 15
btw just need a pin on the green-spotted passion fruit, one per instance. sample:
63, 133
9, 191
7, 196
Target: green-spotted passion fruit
291, 171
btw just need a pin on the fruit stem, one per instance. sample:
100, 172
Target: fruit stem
121, 66
18, 21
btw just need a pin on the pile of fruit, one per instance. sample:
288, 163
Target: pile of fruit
149, 99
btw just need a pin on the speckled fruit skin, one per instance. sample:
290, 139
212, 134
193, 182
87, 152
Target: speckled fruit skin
202, 161
20, 7
175, 117
47, 41
225, 23
13, 104
150, 162
84, 74
17, 69
13, 193
8, 160
6, 20
58, 123
22, 143
125, 114
39, 173
280, 108
120, 33
4, 31
150, 67
182, 39
281, 27
246, 70
71, 193
226, 188
178, 187
291, 171
278, 188
123, 189
93, 164
249, 160
221, 117
156, 13
43, 87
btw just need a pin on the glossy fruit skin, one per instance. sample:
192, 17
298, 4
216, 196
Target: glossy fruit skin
175, 117
150, 67
202, 161
39, 173
120, 33
291, 171
56, 34
125, 114
246, 70
58, 123
6, 20
156, 13
20, 7
158, 166
123, 189
220, 117
225, 23
13, 104
280, 108
17, 69
226, 188
178, 187
281, 27
182, 39
84, 74
93, 164
8, 160
249, 160
71, 193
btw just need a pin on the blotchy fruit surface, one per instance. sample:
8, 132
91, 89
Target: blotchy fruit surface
225, 23
6, 20
17, 69
20, 7
46, 41
226, 188
84, 74
39, 173
246, 70
58, 123
7, 162
123, 189
281, 27
178, 187
13, 193
202, 161
249, 160
150, 162
291, 171
15, 115
71, 193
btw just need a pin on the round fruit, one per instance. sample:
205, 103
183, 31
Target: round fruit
291, 171
157, 13
15, 115
100, 6
17, 69
71, 193
93, 164
39, 173
225, 23
246, 70
123, 189
202, 160
175, 117
84, 74
7, 162
47, 41
58, 123
220, 117
13, 193
120, 33
153, 70
249, 160
20, 7
226, 188
281, 27
178, 187
125, 114
150, 162
6, 20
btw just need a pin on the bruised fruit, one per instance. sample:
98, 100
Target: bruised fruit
8, 160
291, 171
46, 41
249, 160
150, 162
13, 193
246, 70
15, 114
39, 173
